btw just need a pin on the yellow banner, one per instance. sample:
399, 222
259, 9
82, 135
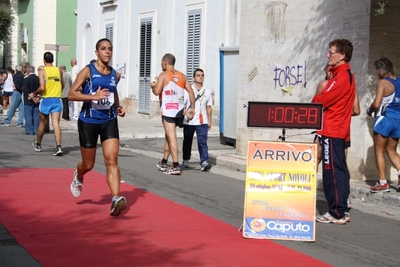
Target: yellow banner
280, 191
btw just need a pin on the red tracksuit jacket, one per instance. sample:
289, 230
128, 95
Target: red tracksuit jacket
337, 99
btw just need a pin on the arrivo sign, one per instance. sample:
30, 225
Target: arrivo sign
285, 115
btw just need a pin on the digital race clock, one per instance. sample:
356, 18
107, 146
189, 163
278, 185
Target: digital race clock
285, 115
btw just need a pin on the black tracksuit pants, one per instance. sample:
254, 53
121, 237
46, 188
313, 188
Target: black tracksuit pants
335, 175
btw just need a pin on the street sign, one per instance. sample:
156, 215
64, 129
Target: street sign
56, 47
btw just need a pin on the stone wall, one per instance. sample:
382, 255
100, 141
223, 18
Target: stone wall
288, 41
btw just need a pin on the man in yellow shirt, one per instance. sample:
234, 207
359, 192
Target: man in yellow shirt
51, 84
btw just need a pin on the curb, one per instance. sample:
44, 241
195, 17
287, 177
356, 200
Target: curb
142, 132
387, 198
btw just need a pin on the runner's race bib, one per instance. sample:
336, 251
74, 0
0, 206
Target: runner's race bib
103, 103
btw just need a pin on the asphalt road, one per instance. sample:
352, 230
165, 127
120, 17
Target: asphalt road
370, 239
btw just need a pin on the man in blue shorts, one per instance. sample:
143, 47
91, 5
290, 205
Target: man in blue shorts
51, 84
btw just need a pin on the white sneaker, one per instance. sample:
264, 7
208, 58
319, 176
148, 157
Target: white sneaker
38, 148
174, 171
327, 218
76, 185
58, 151
118, 204
162, 166
205, 166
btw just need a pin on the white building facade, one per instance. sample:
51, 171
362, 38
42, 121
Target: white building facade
44, 29
143, 31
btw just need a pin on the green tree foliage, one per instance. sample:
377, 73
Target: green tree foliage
6, 20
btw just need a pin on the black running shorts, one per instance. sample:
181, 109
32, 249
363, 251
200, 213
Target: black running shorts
89, 133
176, 120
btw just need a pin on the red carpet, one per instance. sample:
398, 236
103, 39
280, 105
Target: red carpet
37, 207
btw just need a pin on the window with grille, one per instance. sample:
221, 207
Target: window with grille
193, 42
144, 65
110, 35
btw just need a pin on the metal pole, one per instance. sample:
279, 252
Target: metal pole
57, 49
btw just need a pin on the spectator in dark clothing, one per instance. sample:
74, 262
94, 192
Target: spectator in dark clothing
31, 84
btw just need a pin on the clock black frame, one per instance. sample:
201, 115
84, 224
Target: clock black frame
285, 115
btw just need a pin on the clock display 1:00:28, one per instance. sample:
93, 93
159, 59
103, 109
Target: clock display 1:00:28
292, 115
284, 115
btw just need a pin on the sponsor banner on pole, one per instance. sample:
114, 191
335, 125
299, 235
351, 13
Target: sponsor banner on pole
280, 191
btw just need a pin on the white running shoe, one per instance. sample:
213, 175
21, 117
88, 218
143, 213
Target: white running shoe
76, 185
174, 171
162, 166
118, 204
205, 166
58, 151
327, 218
38, 148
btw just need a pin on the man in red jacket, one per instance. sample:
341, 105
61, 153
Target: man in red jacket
337, 99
